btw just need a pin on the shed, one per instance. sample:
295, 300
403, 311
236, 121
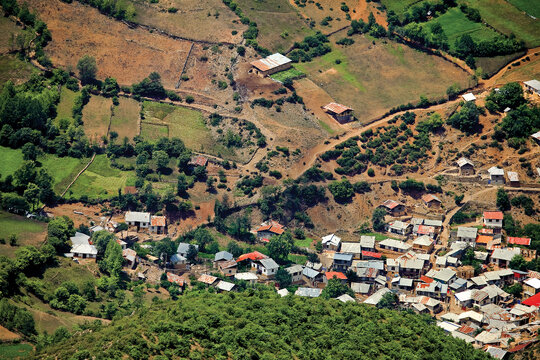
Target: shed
468, 97
532, 86
466, 167
513, 178
271, 64
341, 113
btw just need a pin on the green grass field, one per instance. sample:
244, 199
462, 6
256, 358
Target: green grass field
455, 24
278, 22
508, 19
303, 242
100, 180
11, 160
375, 78
125, 118
11, 68
298, 259
65, 106
531, 7
291, 73
15, 351
29, 232
399, 6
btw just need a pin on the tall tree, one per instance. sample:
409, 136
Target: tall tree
87, 69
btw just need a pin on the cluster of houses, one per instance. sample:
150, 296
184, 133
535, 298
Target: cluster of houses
494, 176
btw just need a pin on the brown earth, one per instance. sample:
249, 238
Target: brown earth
6, 335
128, 55
91, 213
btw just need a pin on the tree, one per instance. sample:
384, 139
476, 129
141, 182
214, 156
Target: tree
341, 190
515, 290
283, 278
112, 259
335, 288
202, 237
87, 69
279, 247
313, 257
388, 301
31, 195
30, 151
59, 230
377, 219
518, 263
162, 160
101, 240
467, 119
191, 254
182, 185
234, 249
503, 202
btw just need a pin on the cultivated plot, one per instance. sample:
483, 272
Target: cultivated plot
125, 119
97, 117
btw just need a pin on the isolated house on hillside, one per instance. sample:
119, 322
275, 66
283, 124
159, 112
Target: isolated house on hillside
81, 247
158, 224
138, 219
496, 175
532, 86
341, 113
270, 65
269, 229
432, 201
331, 242
468, 97
466, 167
198, 160
513, 178
393, 207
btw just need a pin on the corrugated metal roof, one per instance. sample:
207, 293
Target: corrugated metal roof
336, 108
271, 62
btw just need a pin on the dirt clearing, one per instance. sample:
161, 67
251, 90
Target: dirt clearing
128, 55
96, 117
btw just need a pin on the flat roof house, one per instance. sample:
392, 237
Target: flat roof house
493, 219
496, 175
343, 114
468, 97
352, 248
532, 86
138, 219
467, 234
331, 242
502, 257
399, 228
367, 242
513, 178
342, 262
393, 207
394, 245
84, 251
270, 65
466, 167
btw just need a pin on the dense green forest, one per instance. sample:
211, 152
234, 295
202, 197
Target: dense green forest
257, 324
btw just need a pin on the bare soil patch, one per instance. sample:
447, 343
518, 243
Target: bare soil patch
128, 55
6, 335
96, 117
90, 213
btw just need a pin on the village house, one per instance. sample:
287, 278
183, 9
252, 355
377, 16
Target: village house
138, 219
411, 268
424, 230
361, 288
331, 242
270, 65
158, 224
353, 248
345, 298
466, 167
198, 160
370, 255
424, 244
312, 277
227, 268
502, 257
392, 265
444, 276
207, 279
532, 86
493, 220
431, 201
269, 229
223, 256
342, 262
251, 278
224, 286
81, 248
296, 273
468, 97
393, 207
531, 287
399, 228
130, 256
178, 261
341, 113
536, 138
496, 176
367, 243
308, 292
436, 224
122, 243
513, 178
367, 275
467, 235
376, 297
329, 275
175, 279
183, 248
394, 245
266, 267
518, 241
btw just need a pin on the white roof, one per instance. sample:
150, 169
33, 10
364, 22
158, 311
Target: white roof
135, 216
361, 288
463, 161
351, 247
464, 295
269, 263
447, 326
533, 282
395, 244
536, 135
367, 241
375, 298
452, 317
345, 298
505, 254
294, 268
79, 239
459, 335
308, 292
224, 285
283, 292
399, 225
496, 352
419, 307
444, 274
467, 232
247, 276
468, 97
513, 176
332, 239
473, 315
495, 171
535, 84
274, 60
84, 249
423, 241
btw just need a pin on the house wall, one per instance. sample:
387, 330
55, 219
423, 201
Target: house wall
497, 179
344, 117
467, 170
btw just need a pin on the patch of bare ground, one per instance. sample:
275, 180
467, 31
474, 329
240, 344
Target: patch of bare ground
89, 212
6, 335
128, 55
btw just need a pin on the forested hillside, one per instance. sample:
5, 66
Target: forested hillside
257, 324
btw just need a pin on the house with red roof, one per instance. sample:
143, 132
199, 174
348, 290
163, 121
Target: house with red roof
431, 201
532, 301
173, 278
518, 241
341, 113
158, 224
335, 274
393, 207
369, 255
493, 220
252, 256
269, 229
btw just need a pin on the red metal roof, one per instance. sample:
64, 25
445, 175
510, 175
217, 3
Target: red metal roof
493, 215
520, 346
430, 197
390, 204
483, 239
158, 221
425, 230
273, 228
207, 279
532, 301
486, 231
175, 279
337, 274
254, 256
371, 254
466, 329
426, 279
519, 241
336, 108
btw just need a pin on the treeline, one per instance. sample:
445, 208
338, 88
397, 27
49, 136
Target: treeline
311, 47
258, 324
119, 9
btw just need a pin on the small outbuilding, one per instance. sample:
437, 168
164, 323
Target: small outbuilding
513, 178
532, 86
270, 65
468, 97
343, 114
466, 167
496, 176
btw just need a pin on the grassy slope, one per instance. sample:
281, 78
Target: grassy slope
96, 117
15, 351
11, 68
531, 7
100, 180
509, 19
374, 78
65, 106
275, 18
398, 6
29, 232
125, 118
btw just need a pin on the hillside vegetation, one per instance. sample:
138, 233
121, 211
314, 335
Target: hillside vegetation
258, 325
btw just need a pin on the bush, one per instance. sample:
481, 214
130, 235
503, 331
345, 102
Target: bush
189, 99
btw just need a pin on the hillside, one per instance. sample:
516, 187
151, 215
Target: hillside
258, 325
